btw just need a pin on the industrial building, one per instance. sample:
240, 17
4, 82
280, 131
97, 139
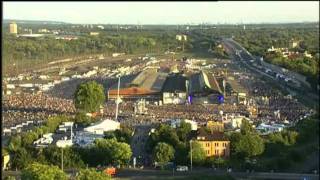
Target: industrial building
174, 90
204, 88
148, 84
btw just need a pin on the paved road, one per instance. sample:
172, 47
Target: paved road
153, 174
138, 143
162, 174
244, 57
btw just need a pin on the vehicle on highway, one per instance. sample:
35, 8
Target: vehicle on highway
182, 168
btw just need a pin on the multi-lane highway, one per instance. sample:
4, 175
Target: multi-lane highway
240, 54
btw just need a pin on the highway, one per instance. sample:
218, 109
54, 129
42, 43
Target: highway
240, 54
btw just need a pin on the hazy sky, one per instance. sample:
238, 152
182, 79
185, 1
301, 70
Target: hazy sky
163, 12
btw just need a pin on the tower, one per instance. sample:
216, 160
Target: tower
13, 28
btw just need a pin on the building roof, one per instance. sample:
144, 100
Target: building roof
150, 79
146, 82
195, 83
211, 82
204, 83
175, 83
214, 136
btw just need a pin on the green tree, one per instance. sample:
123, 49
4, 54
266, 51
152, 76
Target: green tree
89, 97
21, 158
10, 178
82, 119
110, 151
246, 127
181, 152
88, 174
163, 153
249, 145
36, 171
168, 135
198, 153
183, 130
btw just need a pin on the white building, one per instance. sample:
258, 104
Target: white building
234, 121
103, 126
44, 141
64, 142
176, 123
270, 128
181, 37
86, 138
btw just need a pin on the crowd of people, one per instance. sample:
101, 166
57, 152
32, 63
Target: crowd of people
36, 102
19, 108
24, 107
12, 117
277, 107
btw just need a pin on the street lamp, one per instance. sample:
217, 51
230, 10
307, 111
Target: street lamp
62, 144
191, 155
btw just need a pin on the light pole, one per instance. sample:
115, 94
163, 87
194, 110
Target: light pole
191, 155
62, 158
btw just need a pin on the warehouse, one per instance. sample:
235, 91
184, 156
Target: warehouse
174, 90
148, 84
204, 88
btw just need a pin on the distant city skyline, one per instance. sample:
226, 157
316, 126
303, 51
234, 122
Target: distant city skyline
164, 12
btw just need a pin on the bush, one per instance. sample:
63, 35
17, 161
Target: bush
87, 174
36, 171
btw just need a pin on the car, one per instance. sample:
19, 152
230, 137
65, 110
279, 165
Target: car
182, 168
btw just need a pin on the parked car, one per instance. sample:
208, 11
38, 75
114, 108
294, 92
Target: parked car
182, 168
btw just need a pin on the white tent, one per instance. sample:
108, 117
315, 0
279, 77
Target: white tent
103, 126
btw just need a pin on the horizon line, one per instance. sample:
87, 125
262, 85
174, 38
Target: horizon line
189, 24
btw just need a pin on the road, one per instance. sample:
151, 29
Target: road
154, 174
243, 56
163, 174
138, 143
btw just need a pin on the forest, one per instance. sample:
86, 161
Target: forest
257, 39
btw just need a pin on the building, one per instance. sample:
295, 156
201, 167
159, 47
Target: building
294, 44
31, 35
181, 37
84, 138
43, 31
147, 84
100, 27
214, 144
234, 121
13, 28
270, 128
176, 123
5, 159
67, 37
45, 141
174, 90
94, 33
103, 126
204, 88
215, 126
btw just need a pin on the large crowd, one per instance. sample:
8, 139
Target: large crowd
24, 107
36, 102
19, 108
288, 108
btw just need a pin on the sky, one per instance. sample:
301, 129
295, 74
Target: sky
164, 12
